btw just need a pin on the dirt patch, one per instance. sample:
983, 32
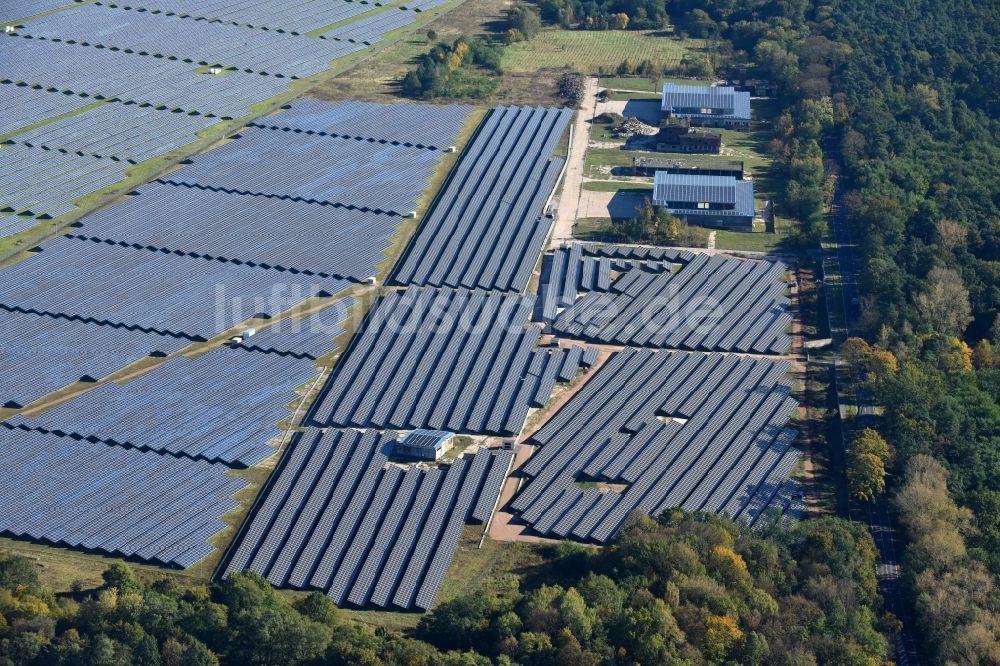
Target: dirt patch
610, 204
539, 88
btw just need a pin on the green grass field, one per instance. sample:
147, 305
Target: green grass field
601, 163
625, 96
630, 83
615, 186
592, 52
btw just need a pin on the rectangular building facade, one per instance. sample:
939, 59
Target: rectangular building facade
715, 201
674, 138
707, 106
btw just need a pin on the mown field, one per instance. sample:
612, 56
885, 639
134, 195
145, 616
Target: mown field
592, 52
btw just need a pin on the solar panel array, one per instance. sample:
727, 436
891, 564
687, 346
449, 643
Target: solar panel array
41, 351
484, 230
292, 16
339, 517
698, 194
723, 101
369, 29
11, 10
401, 123
268, 229
567, 272
107, 74
99, 132
116, 500
43, 183
284, 235
314, 169
19, 107
199, 42
458, 360
158, 291
222, 406
712, 303
705, 432
422, 5
48, 167
12, 224
152, 70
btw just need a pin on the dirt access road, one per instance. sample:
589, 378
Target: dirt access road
569, 200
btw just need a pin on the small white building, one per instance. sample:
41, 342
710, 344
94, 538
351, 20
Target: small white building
424, 444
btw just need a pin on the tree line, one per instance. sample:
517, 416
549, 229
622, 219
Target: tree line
686, 589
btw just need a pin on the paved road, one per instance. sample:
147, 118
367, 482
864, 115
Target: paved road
839, 261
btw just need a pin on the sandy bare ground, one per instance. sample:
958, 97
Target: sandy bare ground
566, 212
610, 204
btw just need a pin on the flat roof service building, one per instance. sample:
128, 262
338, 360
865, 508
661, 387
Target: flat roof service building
708, 200
424, 444
707, 106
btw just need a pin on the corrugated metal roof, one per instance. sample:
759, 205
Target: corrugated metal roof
428, 439
669, 187
734, 104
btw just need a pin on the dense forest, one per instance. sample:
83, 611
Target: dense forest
688, 589
917, 131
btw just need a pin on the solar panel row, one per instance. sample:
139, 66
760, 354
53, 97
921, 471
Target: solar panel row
221, 406
705, 432
641, 252
712, 303
465, 361
112, 499
339, 517
484, 230
342, 242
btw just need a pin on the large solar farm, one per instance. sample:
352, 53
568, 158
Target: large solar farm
228, 305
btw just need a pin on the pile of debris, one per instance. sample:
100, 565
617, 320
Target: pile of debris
634, 127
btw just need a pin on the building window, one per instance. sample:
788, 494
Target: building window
703, 206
